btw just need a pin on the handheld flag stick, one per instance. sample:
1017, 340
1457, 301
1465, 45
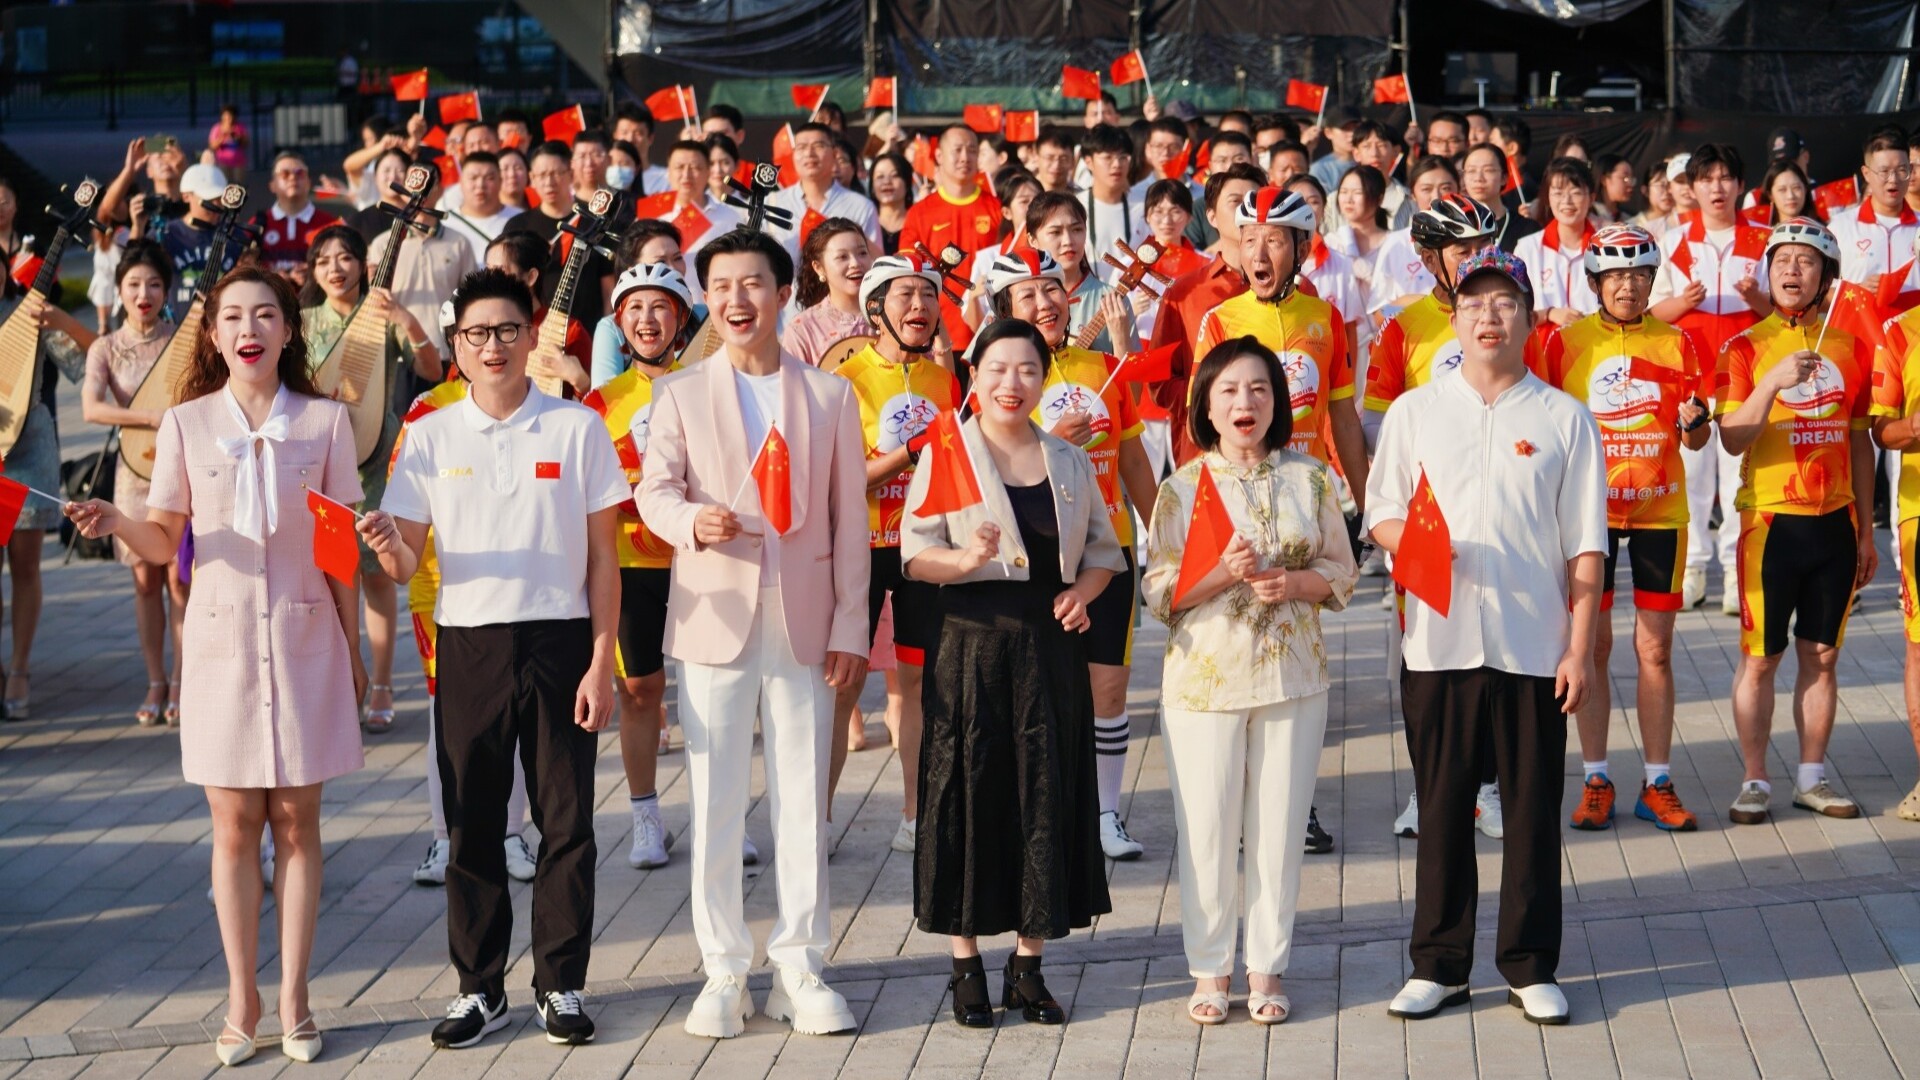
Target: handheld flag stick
1838, 288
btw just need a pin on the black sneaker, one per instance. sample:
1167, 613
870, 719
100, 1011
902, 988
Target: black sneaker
470, 1018
1319, 840
567, 1022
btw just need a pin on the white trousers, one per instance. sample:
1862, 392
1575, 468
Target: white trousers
1242, 788
437, 810
1708, 468
718, 704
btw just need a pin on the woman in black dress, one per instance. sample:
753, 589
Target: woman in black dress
1009, 834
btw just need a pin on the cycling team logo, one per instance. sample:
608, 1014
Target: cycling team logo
902, 417
1445, 358
1818, 397
1303, 384
638, 427
1619, 401
1061, 398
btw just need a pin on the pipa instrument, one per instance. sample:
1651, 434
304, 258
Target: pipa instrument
159, 389
20, 334
355, 371
591, 230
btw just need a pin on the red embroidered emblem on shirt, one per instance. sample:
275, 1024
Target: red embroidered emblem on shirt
1525, 448
546, 470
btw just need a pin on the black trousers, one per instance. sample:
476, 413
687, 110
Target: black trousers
502, 685
1454, 720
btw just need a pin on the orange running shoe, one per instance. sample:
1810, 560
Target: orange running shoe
1658, 804
1596, 804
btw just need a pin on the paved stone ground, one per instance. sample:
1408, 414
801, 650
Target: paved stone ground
1791, 949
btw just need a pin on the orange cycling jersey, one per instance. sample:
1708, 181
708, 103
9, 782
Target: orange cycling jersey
625, 403
1633, 377
1309, 337
1896, 392
1802, 462
896, 401
1074, 381
1416, 346
423, 588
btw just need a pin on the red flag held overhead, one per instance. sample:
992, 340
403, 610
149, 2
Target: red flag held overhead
1079, 83
1424, 564
336, 548
565, 124
1209, 531
1305, 95
951, 484
1391, 90
1857, 311
985, 119
880, 93
1128, 69
1151, 366
772, 478
668, 103
436, 138
1023, 126
457, 107
808, 96
410, 86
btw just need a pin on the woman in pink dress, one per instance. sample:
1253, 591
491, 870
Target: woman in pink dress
827, 290
270, 681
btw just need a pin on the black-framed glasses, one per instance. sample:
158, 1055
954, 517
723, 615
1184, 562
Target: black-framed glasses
506, 333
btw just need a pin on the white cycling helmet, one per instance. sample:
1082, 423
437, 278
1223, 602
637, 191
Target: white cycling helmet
1622, 247
1803, 230
1014, 267
448, 320
890, 268
652, 276
1272, 206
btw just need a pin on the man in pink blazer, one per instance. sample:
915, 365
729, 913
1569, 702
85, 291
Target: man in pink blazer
765, 622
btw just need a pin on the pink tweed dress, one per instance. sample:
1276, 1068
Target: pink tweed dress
266, 683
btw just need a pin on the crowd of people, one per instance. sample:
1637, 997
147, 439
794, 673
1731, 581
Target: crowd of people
918, 442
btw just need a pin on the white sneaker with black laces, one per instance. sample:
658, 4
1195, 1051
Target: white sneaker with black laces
1114, 839
520, 862
1408, 823
566, 1019
470, 1018
433, 869
1487, 816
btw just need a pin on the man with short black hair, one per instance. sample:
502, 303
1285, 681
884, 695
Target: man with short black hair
592, 153
1479, 126
819, 194
290, 224
550, 171
1104, 109
633, 124
1054, 159
526, 659
1447, 134
724, 119
482, 215
1107, 153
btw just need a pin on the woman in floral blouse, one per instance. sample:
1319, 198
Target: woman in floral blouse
1244, 689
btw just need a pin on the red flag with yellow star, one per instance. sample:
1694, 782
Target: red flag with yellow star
1209, 530
336, 547
951, 484
772, 478
1424, 564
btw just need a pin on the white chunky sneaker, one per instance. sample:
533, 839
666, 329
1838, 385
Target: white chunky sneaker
812, 1006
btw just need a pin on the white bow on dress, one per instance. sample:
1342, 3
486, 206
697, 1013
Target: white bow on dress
256, 505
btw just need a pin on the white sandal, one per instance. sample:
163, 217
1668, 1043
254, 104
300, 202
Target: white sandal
1215, 998
1257, 1001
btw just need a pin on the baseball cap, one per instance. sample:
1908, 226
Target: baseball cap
1677, 166
1495, 261
204, 181
1784, 144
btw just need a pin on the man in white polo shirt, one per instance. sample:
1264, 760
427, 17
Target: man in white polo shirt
819, 195
521, 491
1515, 467
767, 614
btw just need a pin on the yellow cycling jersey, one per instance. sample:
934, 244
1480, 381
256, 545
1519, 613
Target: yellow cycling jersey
1633, 377
1896, 392
1074, 381
1310, 339
624, 402
896, 402
1412, 348
1803, 461
423, 589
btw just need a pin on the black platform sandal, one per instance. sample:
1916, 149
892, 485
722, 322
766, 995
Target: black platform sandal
972, 1006
1025, 988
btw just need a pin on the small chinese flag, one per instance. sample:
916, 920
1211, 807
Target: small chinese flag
810, 221
880, 93
1079, 83
1175, 167
410, 86
985, 119
1857, 312
668, 103
513, 140
922, 158
436, 138
546, 470
449, 170
1151, 366
1513, 184
1424, 564
692, 224
336, 548
1305, 95
1390, 90
1023, 126
565, 124
951, 484
655, 206
743, 173
783, 145
772, 469
26, 267
1836, 195
1128, 69
808, 96
13, 499
1209, 531
457, 107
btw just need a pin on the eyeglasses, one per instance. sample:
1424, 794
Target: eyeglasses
1502, 308
1898, 172
505, 333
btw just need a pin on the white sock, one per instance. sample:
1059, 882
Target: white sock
1593, 768
1655, 773
1764, 787
1110, 734
639, 803
1809, 776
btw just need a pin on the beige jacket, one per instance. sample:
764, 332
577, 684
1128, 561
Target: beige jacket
1087, 540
